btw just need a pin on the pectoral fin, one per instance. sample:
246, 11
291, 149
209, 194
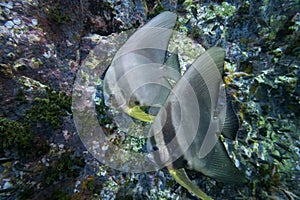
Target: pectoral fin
139, 114
182, 178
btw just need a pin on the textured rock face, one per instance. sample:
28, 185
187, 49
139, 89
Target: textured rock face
42, 45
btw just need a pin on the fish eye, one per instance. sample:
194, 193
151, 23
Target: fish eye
155, 148
185, 162
137, 103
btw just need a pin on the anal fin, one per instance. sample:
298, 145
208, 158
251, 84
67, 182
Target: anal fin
220, 167
182, 178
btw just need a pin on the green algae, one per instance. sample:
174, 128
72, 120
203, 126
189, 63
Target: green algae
158, 8
89, 187
50, 109
60, 194
225, 10
15, 136
57, 15
18, 139
18, 135
67, 166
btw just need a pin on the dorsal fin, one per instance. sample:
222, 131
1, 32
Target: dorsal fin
152, 39
210, 66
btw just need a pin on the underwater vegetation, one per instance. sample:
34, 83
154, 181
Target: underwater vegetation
26, 140
16, 137
50, 109
20, 137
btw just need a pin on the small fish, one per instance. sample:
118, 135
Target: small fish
193, 111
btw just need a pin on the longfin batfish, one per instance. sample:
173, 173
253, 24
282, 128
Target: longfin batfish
138, 75
206, 153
